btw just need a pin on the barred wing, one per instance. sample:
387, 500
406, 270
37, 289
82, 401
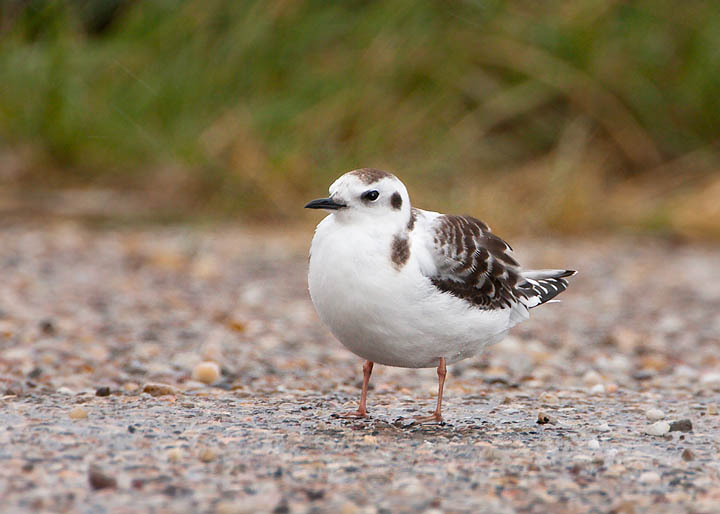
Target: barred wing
474, 264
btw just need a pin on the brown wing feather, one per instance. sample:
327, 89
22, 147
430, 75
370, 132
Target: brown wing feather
474, 264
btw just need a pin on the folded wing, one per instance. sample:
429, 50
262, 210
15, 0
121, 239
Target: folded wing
474, 264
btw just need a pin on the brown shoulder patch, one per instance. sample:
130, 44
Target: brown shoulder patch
396, 201
370, 175
400, 251
411, 221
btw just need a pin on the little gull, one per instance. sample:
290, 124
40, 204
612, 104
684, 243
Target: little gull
405, 287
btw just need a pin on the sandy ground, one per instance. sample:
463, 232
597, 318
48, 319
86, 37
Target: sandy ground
89, 318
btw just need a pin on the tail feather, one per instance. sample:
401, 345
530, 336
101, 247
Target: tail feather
542, 286
538, 274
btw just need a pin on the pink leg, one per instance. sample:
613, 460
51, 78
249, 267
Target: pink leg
362, 410
437, 415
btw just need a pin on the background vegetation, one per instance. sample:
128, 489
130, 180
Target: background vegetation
591, 114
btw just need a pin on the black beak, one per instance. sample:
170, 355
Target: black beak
324, 203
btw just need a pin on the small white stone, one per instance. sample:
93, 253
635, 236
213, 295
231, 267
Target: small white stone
658, 429
597, 389
206, 372
649, 477
610, 455
654, 414
592, 377
685, 372
710, 378
594, 444
603, 427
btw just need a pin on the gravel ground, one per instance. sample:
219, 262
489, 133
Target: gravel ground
605, 402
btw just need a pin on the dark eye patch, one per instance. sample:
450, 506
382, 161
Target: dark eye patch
396, 201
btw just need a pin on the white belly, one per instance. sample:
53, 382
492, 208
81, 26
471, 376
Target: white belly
390, 316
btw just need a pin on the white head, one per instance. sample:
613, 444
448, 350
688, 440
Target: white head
367, 195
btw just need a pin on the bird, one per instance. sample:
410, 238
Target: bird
406, 287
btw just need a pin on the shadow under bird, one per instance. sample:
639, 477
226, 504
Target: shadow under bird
405, 287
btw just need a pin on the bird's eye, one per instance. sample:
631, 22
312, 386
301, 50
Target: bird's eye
370, 195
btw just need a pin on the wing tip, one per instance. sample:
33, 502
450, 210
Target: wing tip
544, 290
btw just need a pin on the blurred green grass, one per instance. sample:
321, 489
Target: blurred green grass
552, 115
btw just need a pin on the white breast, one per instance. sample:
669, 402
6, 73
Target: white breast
388, 314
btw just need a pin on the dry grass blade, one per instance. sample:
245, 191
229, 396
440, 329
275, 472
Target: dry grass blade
579, 88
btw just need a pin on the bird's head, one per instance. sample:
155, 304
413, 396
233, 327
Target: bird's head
367, 195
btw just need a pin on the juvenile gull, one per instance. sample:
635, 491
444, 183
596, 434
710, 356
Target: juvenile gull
405, 287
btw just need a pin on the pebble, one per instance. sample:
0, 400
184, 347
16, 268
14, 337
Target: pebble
685, 372
349, 508
490, 453
205, 266
78, 413
47, 327
159, 389
244, 506
626, 339
616, 470
543, 419
597, 389
687, 455
644, 374
594, 444
100, 480
658, 429
654, 414
206, 372
102, 391
592, 377
684, 425
712, 409
175, 454
207, 455
548, 398
610, 455
649, 477
602, 427
710, 378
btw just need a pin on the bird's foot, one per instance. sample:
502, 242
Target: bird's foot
435, 417
353, 415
